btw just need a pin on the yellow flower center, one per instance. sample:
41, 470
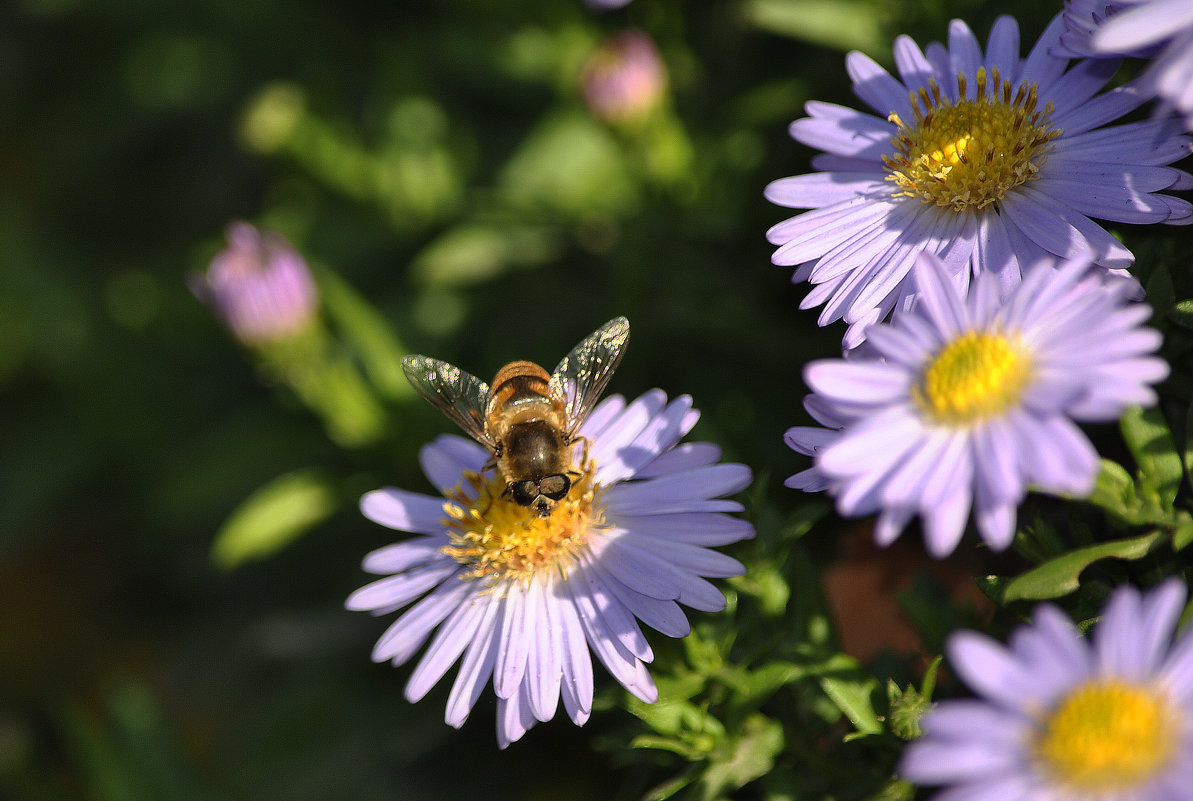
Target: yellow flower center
500, 540
970, 153
977, 375
1107, 736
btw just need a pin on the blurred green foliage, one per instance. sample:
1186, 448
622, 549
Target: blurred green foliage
435, 162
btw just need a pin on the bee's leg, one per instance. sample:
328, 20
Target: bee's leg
584, 443
489, 495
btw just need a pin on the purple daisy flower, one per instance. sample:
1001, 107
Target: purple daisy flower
522, 598
964, 401
1059, 718
259, 286
991, 162
1160, 30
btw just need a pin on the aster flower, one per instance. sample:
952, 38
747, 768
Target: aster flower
260, 286
624, 80
1160, 30
992, 162
522, 598
1060, 717
964, 401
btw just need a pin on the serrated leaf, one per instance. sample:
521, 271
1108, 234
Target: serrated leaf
1160, 466
273, 517
1059, 576
853, 696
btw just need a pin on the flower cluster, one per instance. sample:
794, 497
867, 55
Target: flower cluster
967, 213
522, 598
964, 211
956, 231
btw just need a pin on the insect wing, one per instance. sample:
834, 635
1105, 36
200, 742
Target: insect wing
461, 396
583, 374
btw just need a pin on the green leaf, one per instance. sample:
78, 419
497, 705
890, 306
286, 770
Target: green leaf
1114, 491
1182, 314
1059, 576
660, 743
274, 516
841, 24
1182, 537
673, 713
853, 696
752, 755
367, 332
667, 789
768, 586
755, 687
993, 587
1151, 443
1188, 454
928, 686
572, 165
474, 252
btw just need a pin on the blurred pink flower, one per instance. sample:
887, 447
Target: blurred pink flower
259, 286
624, 80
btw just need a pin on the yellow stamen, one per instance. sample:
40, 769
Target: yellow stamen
977, 375
1106, 736
500, 540
970, 153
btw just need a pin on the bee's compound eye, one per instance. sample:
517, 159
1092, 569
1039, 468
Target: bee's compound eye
555, 487
523, 492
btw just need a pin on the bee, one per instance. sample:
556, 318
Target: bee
528, 419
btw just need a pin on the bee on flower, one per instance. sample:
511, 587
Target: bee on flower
523, 567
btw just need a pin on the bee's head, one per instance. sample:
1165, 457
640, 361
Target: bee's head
542, 494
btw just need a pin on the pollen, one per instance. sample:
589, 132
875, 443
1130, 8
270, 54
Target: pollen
1106, 736
499, 540
978, 375
969, 153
